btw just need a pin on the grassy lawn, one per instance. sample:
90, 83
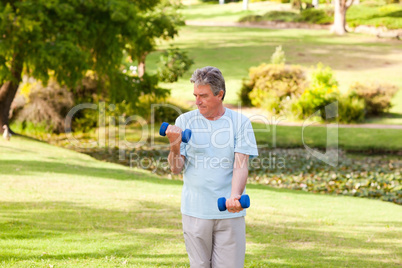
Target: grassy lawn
230, 12
60, 208
350, 139
267, 135
234, 50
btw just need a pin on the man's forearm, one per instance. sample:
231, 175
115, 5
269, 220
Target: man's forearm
239, 180
175, 160
240, 174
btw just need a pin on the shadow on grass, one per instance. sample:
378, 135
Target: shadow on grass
65, 230
28, 167
306, 244
144, 235
315, 45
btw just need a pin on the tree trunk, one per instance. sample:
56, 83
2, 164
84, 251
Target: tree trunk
341, 6
245, 4
8, 91
339, 26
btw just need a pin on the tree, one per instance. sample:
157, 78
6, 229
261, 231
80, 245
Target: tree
341, 6
63, 39
159, 23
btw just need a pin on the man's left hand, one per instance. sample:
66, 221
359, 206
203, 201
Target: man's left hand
233, 204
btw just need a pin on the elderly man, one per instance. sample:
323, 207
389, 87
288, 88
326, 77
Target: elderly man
215, 163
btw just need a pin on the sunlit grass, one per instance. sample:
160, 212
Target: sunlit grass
234, 50
64, 209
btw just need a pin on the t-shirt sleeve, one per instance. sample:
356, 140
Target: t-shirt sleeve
181, 124
245, 142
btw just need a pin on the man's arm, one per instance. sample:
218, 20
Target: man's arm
175, 159
239, 180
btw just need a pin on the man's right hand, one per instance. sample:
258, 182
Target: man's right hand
174, 135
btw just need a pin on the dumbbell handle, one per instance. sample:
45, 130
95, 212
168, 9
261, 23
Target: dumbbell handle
185, 135
244, 202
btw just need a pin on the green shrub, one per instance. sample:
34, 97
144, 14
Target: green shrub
251, 18
273, 83
173, 63
323, 76
350, 109
44, 105
279, 56
246, 87
389, 16
377, 96
316, 16
285, 16
322, 91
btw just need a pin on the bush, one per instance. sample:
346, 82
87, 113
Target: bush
389, 16
44, 105
377, 97
322, 91
284, 16
173, 63
279, 56
316, 16
350, 109
251, 18
246, 87
270, 84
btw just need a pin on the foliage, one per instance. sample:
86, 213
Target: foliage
323, 76
243, 94
389, 16
351, 109
273, 83
374, 177
251, 18
44, 105
322, 91
376, 14
64, 39
285, 16
376, 96
162, 22
316, 16
67, 37
134, 96
279, 56
173, 64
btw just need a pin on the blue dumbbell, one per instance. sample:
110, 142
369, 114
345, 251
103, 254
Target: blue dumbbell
244, 202
185, 135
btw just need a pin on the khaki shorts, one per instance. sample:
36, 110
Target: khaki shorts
215, 243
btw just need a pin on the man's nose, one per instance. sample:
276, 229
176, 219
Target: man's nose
197, 101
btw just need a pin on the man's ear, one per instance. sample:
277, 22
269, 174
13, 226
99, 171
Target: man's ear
220, 94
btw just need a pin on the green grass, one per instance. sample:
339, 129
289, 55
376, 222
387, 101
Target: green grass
267, 134
234, 50
230, 12
389, 16
60, 208
350, 139
376, 15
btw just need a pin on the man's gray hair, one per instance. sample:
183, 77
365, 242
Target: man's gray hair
209, 76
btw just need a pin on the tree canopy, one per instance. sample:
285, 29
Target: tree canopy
64, 39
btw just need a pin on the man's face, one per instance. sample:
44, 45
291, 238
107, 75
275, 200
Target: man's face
208, 104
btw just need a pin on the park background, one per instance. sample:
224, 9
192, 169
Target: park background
91, 195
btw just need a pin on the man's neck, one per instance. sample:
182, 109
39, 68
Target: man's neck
220, 112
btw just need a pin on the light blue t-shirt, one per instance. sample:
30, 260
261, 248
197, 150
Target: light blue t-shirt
209, 160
